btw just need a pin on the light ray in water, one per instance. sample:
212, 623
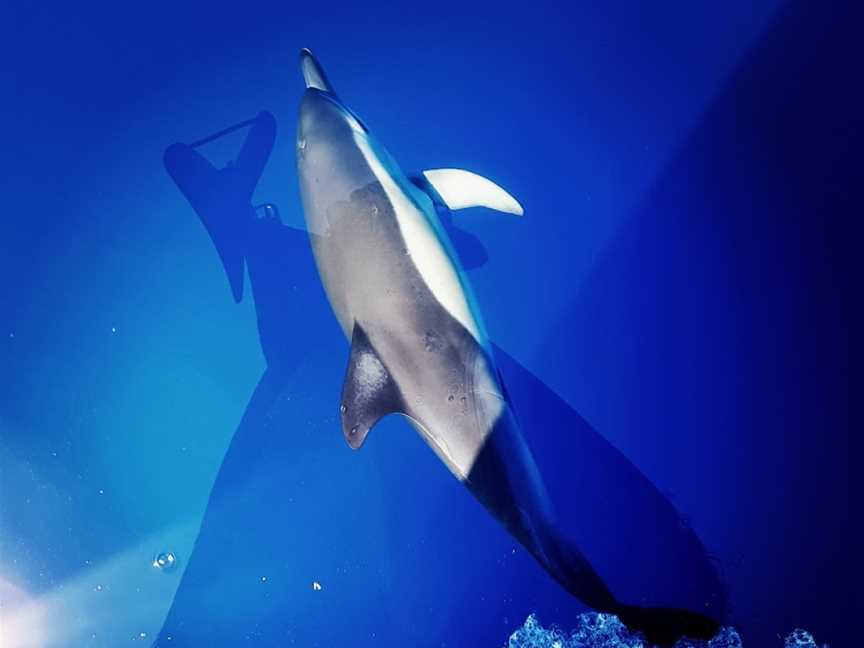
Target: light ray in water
121, 600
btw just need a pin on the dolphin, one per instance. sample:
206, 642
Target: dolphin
418, 345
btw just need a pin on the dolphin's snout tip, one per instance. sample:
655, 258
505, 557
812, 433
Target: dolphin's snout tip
313, 73
305, 53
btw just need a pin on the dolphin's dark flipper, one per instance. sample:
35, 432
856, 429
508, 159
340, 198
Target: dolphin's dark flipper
369, 393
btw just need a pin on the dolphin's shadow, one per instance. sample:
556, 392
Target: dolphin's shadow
277, 521
601, 496
722, 329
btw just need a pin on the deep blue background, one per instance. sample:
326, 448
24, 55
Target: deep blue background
683, 277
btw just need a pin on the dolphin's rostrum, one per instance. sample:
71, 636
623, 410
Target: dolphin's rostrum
418, 346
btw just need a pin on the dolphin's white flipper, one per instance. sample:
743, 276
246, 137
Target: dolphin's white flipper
369, 393
459, 189
313, 73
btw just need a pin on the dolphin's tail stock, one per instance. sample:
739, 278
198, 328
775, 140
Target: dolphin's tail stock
665, 626
507, 482
660, 626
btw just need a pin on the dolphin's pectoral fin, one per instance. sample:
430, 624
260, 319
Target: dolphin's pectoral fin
458, 189
369, 392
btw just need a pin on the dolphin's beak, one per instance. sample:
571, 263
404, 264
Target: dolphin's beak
313, 73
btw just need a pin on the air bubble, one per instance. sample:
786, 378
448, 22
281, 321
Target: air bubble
165, 562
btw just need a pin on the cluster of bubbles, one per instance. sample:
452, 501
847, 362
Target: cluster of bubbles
801, 639
594, 630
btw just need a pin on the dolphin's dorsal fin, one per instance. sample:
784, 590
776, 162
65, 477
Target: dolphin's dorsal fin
369, 392
458, 189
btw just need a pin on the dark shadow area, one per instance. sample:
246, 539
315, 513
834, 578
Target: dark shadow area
599, 494
722, 319
277, 521
266, 537
222, 198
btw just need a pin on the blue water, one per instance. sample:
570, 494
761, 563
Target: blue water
672, 316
